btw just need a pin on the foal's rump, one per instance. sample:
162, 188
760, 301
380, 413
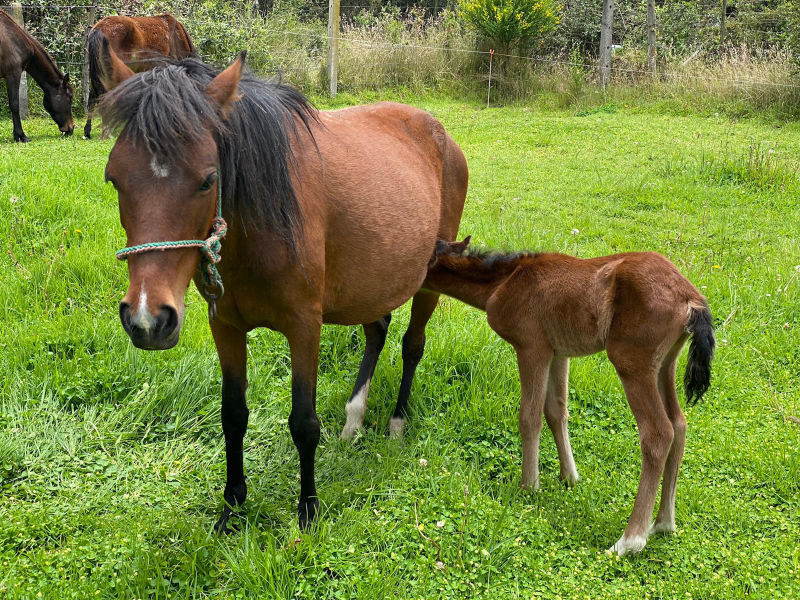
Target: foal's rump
387, 174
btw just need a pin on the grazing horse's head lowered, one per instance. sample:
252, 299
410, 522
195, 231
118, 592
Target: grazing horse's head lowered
171, 158
58, 103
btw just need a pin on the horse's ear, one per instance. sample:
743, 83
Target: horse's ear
114, 71
224, 88
460, 247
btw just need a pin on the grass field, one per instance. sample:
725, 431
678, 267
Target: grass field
112, 460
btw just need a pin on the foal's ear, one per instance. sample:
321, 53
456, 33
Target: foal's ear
460, 247
224, 88
114, 71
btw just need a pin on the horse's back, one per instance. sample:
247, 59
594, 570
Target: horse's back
383, 169
14, 51
157, 33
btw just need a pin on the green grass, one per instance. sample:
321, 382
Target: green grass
112, 460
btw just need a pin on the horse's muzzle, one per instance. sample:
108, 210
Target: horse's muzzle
151, 333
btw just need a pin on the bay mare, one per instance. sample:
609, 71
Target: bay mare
637, 306
331, 216
140, 42
21, 52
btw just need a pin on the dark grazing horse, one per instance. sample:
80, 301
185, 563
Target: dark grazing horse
331, 218
19, 52
140, 42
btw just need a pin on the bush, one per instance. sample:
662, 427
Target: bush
510, 22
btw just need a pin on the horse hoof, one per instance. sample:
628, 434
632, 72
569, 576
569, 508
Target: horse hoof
221, 527
629, 545
662, 528
24, 139
530, 487
396, 427
349, 433
307, 511
570, 480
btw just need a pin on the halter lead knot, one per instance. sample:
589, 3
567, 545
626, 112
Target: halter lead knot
210, 249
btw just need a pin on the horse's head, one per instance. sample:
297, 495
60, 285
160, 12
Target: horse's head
167, 186
58, 102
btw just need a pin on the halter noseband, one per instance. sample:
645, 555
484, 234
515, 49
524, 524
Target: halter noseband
210, 247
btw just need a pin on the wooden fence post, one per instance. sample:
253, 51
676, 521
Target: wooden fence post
16, 14
723, 16
605, 42
333, 46
85, 74
651, 36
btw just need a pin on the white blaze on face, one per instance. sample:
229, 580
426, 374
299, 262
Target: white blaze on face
158, 169
142, 318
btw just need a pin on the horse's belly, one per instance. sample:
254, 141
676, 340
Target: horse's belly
377, 255
382, 177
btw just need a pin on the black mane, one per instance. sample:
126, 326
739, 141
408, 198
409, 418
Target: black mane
491, 260
481, 263
167, 108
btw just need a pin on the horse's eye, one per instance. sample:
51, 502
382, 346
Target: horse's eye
209, 181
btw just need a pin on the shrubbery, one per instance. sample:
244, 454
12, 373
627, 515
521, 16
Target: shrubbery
510, 23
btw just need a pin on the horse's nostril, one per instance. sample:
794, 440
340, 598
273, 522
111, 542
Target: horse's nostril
125, 314
167, 321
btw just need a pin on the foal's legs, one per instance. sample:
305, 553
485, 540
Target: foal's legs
12, 87
556, 413
640, 380
232, 350
665, 520
422, 308
375, 336
533, 374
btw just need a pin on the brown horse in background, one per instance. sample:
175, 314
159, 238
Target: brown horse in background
331, 218
19, 52
637, 306
140, 42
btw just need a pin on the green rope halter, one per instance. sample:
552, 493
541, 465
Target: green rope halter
210, 248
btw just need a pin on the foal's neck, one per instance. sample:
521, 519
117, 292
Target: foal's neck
471, 279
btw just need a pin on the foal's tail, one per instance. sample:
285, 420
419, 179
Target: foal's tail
697, 377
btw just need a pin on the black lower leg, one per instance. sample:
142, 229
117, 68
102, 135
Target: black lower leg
12, 87
375, 338
304, 427
234, 426
413, 348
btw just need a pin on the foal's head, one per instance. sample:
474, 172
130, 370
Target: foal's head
165, 168
445, 248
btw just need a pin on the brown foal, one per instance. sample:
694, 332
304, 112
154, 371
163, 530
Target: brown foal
637, 306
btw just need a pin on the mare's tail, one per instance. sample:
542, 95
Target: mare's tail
94, 51
697, 377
